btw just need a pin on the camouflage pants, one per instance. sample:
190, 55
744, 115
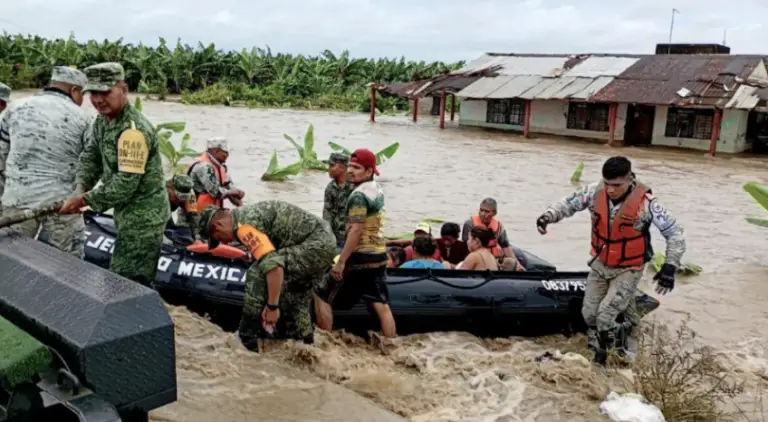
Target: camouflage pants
137, 249
609, 292
64, 232
305, 265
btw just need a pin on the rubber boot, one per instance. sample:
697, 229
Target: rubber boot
250, 342
592, 341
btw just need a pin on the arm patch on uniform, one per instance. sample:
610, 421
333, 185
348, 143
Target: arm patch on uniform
132, 151
191, 206
256, 242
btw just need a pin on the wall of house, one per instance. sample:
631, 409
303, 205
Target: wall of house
547, 117
733, 129
425, 106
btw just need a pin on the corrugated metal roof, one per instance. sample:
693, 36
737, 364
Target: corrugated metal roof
711, 80
536, 66
745, 98
484, 87
595, 67
595, 86
538, 88
516, 86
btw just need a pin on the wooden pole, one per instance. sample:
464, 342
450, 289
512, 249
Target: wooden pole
415, 109
612, 112
715, 132
373, 103
527, 121
453, 105
442, 108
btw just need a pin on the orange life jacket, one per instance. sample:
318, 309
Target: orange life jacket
493, 245
204, 198
620, 245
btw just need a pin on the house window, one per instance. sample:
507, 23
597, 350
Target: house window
588, 116
689, 123
506, 112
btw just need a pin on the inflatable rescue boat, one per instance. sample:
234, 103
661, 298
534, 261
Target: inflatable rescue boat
539, 301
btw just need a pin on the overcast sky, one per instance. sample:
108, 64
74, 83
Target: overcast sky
422, 29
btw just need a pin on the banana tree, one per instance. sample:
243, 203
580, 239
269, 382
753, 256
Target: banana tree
685, 268
381, 156
307, 154
576, 176
759, 193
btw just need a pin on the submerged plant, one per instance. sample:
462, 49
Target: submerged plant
307, 154
576, 176
275, 173
685, 268
759, 193
173, 156
381, 156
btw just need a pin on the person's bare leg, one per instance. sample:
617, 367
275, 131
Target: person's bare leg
385, 318
323, 314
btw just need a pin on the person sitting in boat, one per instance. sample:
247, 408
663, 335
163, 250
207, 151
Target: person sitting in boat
480, 256
423, 230
182, 199
450, 247
486, 219
424, 248
212, 183
395, 256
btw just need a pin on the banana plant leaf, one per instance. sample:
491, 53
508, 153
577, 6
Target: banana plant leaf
576, 176
758, 192
336, 147
138, 105
761, 222
386, 153
685, 268
176, 127
274, 173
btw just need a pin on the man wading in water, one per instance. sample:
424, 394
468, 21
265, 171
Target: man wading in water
336, 194
623, 210
360, 272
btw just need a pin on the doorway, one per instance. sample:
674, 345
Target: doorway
638, 131
757, 131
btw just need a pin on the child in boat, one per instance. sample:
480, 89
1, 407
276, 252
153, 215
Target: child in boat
395, 256
480, 256
423, 255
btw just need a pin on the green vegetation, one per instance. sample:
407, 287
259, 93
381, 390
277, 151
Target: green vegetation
576, 176
308, 157
759, 193
685, 268
173, 156
203, 74
21, 356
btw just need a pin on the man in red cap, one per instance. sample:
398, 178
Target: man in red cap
360, 271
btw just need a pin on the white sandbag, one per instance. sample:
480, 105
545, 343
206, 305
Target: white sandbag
630, 407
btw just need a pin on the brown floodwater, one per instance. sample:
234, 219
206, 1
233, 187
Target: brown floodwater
445, 174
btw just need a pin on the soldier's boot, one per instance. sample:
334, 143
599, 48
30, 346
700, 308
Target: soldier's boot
248, 337
592, 342
606, 342
624, 349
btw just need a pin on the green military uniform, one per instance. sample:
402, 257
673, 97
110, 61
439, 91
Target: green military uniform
124, 154
187, 216
303, 245
335, 203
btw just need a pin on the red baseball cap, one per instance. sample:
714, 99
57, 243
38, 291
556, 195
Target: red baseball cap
365, 158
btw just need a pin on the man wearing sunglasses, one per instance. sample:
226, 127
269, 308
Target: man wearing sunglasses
623, 210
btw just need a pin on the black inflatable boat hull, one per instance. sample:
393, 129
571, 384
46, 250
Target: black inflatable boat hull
421, 300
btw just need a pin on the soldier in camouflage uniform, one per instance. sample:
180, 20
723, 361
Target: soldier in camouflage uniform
5, 99
623, 210
123, 152
182, 199
292, 248
336, 194
211, 179
46, 134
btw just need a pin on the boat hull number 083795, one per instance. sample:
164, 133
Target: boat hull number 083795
564, 285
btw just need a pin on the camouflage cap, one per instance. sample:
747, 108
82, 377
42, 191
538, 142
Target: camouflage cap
182, 187
337, 158
5, 93
205, 225
69, 75
219, 142
103, 76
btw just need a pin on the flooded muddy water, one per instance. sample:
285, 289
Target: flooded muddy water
445, 174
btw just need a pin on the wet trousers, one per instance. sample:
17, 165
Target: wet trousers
305, 265
64, 232
610, 291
